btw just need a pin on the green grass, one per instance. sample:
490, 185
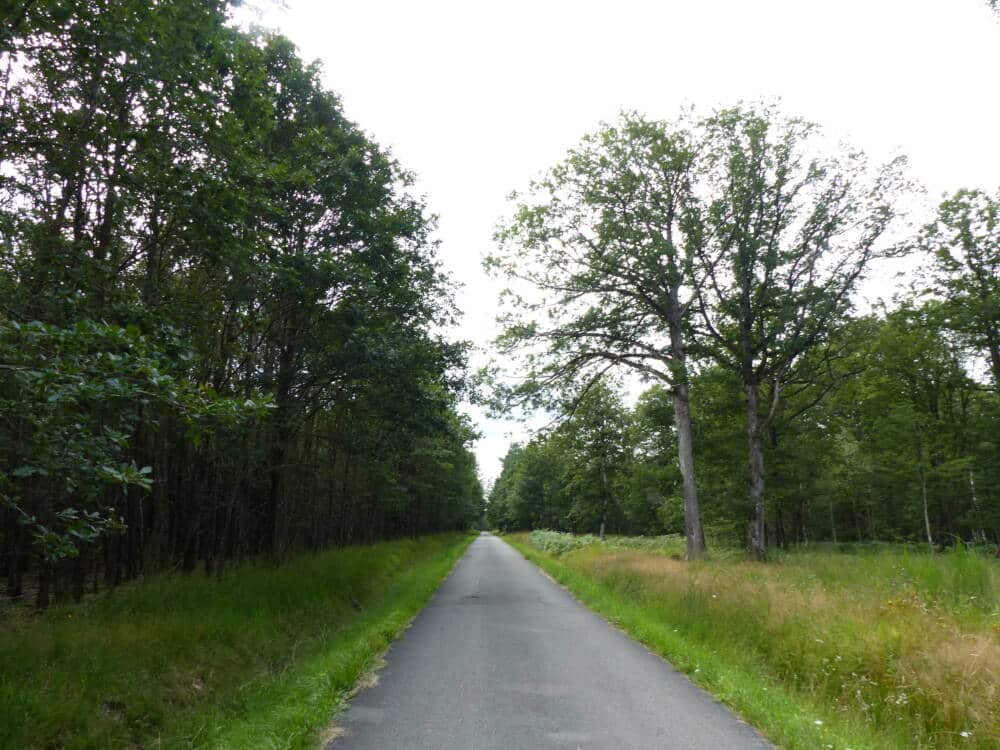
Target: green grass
263, 658
885, 647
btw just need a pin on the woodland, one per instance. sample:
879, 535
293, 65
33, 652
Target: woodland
721, 261
223, 324
236, 451
220, 308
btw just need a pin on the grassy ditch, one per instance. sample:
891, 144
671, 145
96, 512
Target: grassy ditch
880, 648
262, 658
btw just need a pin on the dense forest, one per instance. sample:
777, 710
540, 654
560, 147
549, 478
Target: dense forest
220, 307
719, 261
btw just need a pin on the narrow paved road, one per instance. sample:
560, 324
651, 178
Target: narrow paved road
504, 658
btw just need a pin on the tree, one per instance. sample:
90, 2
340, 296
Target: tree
600, 281
73, 401
595, 436
781, 239
910, 434
965, 243
654, 498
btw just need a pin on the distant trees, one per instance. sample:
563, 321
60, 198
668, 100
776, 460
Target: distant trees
910, 448
575, 476
964, 242
217, 305
904, 447
740, 234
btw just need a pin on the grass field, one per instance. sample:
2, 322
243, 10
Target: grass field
877, 647
262, 658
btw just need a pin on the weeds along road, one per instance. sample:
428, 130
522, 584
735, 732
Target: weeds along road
504, 658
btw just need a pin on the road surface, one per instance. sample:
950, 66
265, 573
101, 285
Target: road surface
503, 658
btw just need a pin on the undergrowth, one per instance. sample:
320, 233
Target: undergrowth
261, 658
558, 542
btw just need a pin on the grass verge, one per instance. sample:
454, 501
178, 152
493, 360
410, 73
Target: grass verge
883, 649
262, 658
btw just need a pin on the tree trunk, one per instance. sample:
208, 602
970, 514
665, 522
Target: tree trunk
693, 530
14, 563
604, 496
927, 517
978, 532
44, 582
78, 578
833, 525
276, 461
755, 537
993, 344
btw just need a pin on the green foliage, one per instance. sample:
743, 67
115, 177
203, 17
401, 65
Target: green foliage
219, 305
572, 478
265, 655
965, 243
598, 242
895, 423
72, 399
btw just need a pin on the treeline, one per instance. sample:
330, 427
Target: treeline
218, 306
907, 431
719, 258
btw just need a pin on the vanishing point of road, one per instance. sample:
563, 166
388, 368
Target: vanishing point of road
503, 658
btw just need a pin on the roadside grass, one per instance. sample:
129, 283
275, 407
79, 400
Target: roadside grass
885, 647
262, 658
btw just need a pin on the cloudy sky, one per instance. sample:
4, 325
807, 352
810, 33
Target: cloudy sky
477, 98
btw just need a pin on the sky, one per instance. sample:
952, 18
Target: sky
477, 98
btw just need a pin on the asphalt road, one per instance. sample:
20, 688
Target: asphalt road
504, 658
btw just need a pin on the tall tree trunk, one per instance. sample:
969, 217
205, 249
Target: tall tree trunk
833, 525
756, 541
923, 497
44, 582
276, 462
604, 495
978, 532
693, 530
14, 554
78, 578
993, 344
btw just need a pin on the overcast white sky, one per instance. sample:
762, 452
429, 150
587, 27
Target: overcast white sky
477, 98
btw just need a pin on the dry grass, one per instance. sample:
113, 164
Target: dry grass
907, 644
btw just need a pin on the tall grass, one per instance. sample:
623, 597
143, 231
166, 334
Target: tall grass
881, 648
558, 542
261, 658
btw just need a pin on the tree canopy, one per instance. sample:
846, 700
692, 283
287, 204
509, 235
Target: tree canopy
719, 257
220, 329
